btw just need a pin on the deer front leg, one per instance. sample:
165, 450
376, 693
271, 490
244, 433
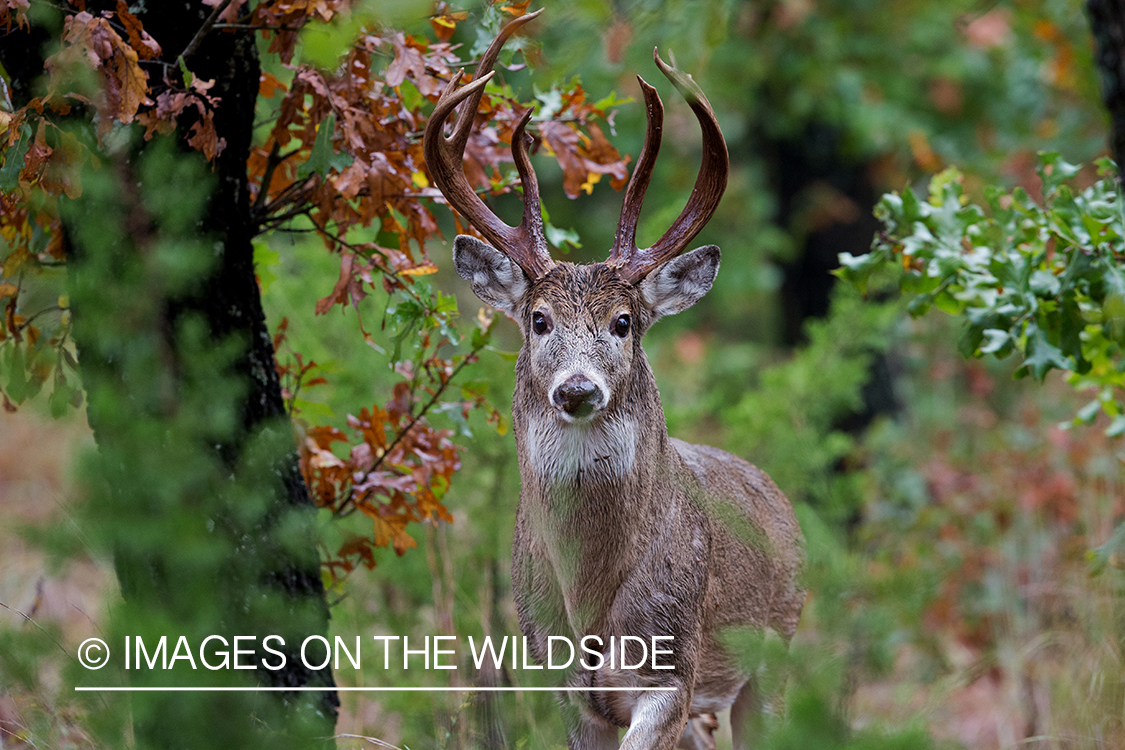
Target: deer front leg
585, 729
658, 720
592, 735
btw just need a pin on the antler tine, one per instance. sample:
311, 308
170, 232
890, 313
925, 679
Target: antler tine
625, 241
705, 196
525, 244
532, 222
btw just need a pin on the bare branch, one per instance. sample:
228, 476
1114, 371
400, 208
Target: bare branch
204, 30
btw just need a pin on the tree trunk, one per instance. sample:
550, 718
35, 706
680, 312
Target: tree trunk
144, 331
827, 201
1107, 21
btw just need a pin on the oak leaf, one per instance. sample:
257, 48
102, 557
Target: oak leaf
14, 11
230, 13
140, 40
268, 85
445, 19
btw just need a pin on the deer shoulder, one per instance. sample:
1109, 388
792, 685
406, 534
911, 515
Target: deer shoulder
622, 532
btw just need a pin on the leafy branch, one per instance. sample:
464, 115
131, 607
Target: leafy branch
1043, 281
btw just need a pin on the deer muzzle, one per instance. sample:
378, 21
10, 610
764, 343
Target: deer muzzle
578, 396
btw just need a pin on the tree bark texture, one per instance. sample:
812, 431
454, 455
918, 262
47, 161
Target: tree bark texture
1107, 22
261, 557
231, 301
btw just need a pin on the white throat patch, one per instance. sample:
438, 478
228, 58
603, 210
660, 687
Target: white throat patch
601, 449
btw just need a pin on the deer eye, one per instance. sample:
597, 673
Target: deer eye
621, 326
540, 323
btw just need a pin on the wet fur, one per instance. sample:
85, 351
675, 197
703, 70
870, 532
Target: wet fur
622, 530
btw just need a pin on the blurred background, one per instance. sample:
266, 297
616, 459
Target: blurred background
949, 509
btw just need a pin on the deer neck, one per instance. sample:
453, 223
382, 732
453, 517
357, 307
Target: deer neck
614, 458
591, 491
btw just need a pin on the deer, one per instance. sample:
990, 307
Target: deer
620, 529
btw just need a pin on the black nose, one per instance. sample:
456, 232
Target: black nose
577, 396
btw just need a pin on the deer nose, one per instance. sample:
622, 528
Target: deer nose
577, 396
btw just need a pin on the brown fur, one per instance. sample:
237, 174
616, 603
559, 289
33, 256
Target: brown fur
622, 531
687, 541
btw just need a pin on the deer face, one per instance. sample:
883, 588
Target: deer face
582, 325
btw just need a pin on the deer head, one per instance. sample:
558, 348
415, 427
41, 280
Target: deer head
581, 324
614, 531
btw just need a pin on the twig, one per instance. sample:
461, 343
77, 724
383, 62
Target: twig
204, 30
267, 178
28, 321
255, 27
404, 284
40, 628
294, 193
416, 418
372, 740
291, 214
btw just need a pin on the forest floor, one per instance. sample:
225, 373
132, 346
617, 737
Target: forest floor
1049, 677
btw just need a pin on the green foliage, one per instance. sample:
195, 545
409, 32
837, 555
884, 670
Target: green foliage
1044, 281
873, 73
160, 399
893, 90
13, 159
789, 419
323, 157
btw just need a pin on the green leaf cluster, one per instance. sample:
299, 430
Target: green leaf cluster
1041, 279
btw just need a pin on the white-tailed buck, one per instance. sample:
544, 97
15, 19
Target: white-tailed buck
622, 530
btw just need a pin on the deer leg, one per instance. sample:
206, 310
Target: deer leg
658, 721
585, 730
699, 734
746, 716
592, 736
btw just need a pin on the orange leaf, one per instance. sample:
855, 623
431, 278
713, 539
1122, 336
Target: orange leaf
126, 84
203, 137
403, 542
324, 436
423, 270
516, 9
133, 83
268, 85
347, 286
444, 21
139, 39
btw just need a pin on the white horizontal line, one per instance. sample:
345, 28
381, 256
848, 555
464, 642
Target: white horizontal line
368, 689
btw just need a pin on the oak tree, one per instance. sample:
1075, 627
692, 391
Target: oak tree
146, 149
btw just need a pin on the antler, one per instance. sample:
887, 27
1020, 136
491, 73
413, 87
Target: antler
525, 244
633, 263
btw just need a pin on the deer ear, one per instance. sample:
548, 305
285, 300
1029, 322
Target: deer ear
495, 278
681, 282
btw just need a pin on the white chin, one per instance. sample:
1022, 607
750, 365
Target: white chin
568, 418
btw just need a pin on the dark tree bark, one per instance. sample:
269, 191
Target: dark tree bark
826, 201
1107, 21
803, 168
228, 300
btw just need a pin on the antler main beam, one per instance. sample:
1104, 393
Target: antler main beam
633, 263
526, 244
